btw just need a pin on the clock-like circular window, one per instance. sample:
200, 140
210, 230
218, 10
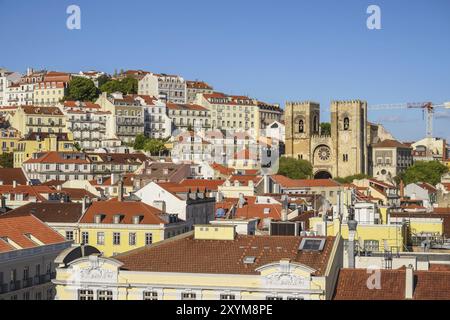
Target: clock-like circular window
324, 153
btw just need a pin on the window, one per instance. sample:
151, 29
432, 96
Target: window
100, 238
84, 238
150, 295
227, 296
132, 239
294, 298
346, 123
188, 296
148, 239
274, 298
371, 245
69, 235
104, 295
84, 294
116, 238
312, 244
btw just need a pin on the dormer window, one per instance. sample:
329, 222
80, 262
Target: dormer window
117, 218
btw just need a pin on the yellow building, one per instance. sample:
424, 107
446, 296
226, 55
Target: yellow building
38, 119
9, 138
41, 142
369, 237
230, 112
210, 263
52, 89
116, 226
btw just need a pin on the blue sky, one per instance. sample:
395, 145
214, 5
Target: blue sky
275, 51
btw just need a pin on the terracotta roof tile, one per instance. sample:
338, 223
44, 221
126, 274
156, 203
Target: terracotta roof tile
127, 209
52, 212
16, 226
191, 255
8, 175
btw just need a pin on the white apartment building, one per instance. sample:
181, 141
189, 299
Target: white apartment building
236, 113
189, 116
196, 87
61, 166
171, 88
88, 126
7, 79
156, 122
27, 251
128, 115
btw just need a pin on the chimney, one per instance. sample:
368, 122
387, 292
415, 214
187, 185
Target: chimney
219, 196
14, 184
402, 189
352, 224
120, 191
59, 187
241, 201
409, 282
2, 203
1, 182
84, 204
266, 184
114, 178
284, 208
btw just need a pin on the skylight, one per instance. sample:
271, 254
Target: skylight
249, 260
312, 244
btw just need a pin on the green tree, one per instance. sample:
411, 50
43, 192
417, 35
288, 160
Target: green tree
82, 89
111, 86
103, 79
349, 179
325, 128
139, 142
77, 146
7, 160
295, 168
129, 85
423, 171
155, 146
126, 86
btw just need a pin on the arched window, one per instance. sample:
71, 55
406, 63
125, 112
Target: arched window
346, 123
301, 126
316, 124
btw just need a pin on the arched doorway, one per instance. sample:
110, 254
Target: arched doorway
322, 175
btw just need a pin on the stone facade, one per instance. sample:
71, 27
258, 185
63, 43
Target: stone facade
341, 154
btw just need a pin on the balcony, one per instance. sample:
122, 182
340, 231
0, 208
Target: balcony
27, 282
3, 288
14, 285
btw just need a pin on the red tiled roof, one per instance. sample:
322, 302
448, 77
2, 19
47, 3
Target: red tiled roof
189, 255
244, 179
428, 285
26, 191
286, 182
53, 111
176, 106
198, 85
8, 175
15, 226
222, 169
57, 157
390, 144
52, 212
127, 209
